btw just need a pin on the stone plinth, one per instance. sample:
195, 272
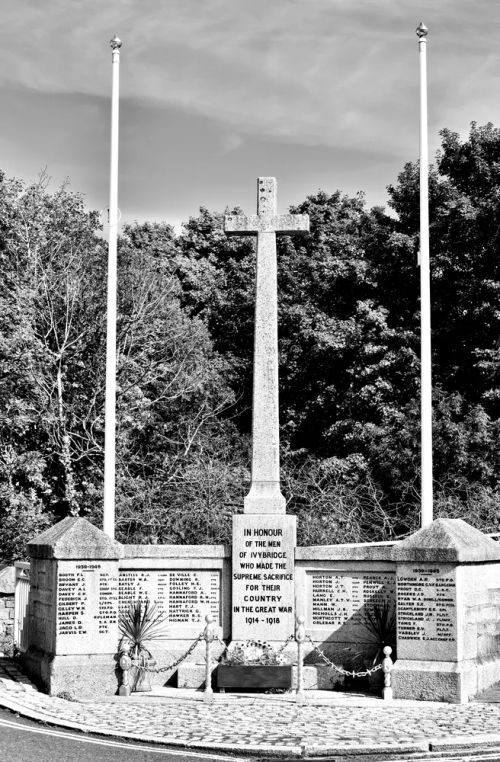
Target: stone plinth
186, 582
336, 588
263, 577
81, 580
73, 610
448, 608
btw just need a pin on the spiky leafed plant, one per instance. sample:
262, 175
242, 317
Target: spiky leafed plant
380, 621
140, 624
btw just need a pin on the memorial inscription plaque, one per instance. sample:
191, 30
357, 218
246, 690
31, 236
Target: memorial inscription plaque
427, 611
341, 598
426, 605
87, 607
263, 577
183, 596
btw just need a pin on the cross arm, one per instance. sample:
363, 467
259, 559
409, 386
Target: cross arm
289, 224
238, 224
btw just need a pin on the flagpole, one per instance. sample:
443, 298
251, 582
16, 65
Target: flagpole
110, 405
425, 294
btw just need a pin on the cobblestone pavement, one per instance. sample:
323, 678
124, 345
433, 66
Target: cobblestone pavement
258, 723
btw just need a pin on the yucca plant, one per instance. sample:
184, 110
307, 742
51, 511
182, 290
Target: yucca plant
380, 621
140, 624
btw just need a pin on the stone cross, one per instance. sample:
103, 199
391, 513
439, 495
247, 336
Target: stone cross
265, 493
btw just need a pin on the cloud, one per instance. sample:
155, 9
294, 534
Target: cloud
230, 142
321, 93
323, 72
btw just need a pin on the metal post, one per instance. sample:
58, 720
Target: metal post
425, 295
109, 432
125, 664
387, 665
209, 636
300, 636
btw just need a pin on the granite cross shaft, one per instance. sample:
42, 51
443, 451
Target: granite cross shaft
265, 493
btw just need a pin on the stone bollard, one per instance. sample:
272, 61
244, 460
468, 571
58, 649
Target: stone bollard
209, 635
125, 664
300, 636
387, 665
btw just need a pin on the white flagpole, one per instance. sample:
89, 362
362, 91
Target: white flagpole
425, 294
110, 415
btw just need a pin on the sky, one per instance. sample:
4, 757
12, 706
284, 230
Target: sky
214, 93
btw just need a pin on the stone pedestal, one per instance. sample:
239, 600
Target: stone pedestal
448, 611
73, 610
263, 577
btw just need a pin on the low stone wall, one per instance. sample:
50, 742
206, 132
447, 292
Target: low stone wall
187, 582
448, 603
338, 589
6, 622
443, 583
7, 586
81, 580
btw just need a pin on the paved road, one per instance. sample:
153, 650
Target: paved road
330, 725
22, 740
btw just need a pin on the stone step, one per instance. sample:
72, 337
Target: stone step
491, 754
490, 696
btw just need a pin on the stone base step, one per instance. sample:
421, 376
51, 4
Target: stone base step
490, 696
491, 754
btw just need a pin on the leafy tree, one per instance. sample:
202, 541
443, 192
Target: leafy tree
177, 455
464, 242
465, 248
50, 335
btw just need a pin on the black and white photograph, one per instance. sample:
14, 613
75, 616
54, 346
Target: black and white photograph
249, 380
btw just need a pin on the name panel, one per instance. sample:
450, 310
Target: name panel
427, 611
87, 607
182, 596
341, 600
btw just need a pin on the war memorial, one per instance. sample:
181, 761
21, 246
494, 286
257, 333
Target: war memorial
311, 604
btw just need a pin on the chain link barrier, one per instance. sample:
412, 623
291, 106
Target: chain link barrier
136, 662
347, 673
341, 670
218, 639
156, 670
289, 639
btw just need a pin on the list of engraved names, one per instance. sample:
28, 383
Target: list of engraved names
87, 604
426, 605
338, 598
182, 596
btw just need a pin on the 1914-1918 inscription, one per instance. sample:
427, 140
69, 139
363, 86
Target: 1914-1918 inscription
87, 606
263, 577
183, 596
340, 597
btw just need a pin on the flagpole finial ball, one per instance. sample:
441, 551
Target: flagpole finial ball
422, 30
115, 43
